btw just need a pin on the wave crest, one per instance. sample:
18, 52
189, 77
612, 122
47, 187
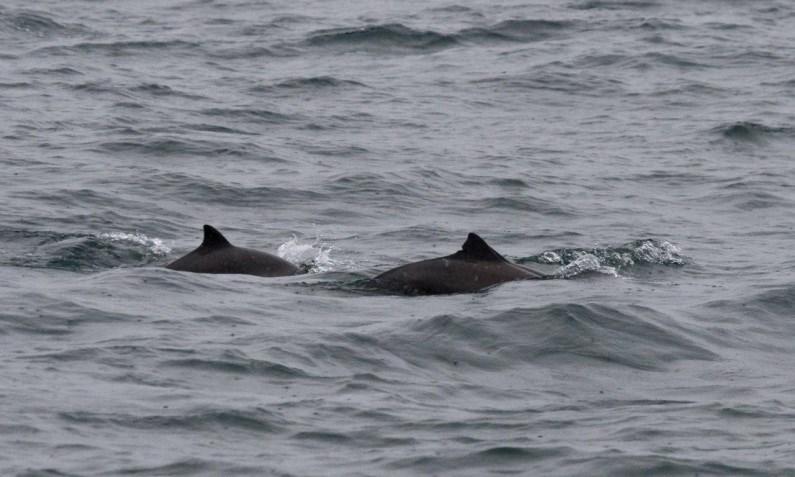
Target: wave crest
635, 337
752, 132
400, 37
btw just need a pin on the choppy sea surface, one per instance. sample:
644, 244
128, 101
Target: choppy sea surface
644, 148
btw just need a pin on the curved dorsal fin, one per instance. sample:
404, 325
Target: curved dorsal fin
475, 248
213, 238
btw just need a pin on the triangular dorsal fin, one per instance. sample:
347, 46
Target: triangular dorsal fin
475, 248
213, 238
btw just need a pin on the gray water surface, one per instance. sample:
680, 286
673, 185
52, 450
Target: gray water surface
644, 149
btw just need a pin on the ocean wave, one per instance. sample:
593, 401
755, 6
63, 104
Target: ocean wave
249, 115
171, 145
17, 85
519, 31
83, 252
522, 204
399, 191
658, 24
778, 302
190, 467
761, 322
36, 23
214, 128
276, 23
641, 61
117, 48
317, 82
99, 87
660, 465
396, 36
747, 200
668, 177
157, 90
87, 254
54, 71
392, 35
579, 83
115, 356
753, 58
327, 437
634, 337
308, 84
615, 4
495, 460
427, 233
251, 420
455, 9
202, 190
35, 313
250, 52
235, 362
695, 90
752, 132
771, 306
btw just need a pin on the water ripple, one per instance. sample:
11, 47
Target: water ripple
507, 459
237, 363
37, 23
398, 37
116, 48
251, 420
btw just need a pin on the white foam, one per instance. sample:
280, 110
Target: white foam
586, 262
155, 245
550, 257
663, 253
316, 254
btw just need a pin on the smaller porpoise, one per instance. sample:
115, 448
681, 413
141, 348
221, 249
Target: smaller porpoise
217, 255
475, 267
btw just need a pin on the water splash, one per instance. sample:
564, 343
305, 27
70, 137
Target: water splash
611, 260
314, 256
585, 263
154, 245
663, 253
549, 257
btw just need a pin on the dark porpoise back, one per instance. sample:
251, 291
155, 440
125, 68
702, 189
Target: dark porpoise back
217, 255
475, 267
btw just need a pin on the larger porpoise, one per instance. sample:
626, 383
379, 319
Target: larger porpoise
475, 267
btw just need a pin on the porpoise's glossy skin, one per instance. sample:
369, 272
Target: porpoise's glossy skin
217, 255
475, 267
